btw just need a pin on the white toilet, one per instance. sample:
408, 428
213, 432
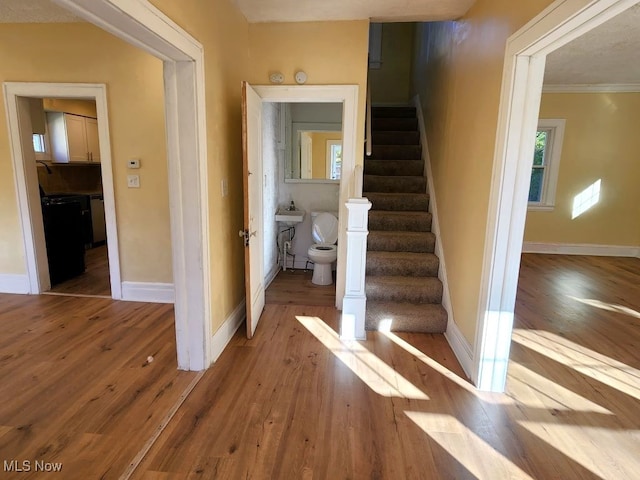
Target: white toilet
324, 230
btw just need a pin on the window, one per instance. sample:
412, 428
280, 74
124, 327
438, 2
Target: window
38, 143
546, 162
334, 159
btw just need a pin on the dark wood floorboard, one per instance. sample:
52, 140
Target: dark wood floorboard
94, 281
294, 287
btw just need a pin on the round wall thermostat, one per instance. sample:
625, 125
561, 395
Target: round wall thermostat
301, 77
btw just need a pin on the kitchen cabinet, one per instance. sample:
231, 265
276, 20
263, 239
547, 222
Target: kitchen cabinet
74, 138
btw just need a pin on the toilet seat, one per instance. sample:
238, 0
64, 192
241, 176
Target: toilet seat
325, 229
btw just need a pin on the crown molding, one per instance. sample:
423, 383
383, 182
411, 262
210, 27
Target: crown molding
595, 88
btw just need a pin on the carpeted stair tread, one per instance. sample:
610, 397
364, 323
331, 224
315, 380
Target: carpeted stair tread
392, 152
400, 241
403, 289
399, 137
407, 317
402, 264
405, 221
394, 184
394, 124
406, 168
393, 112
398, 201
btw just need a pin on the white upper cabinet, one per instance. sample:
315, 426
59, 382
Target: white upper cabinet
73, 138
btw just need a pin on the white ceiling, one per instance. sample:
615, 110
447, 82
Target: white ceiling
608, 54
376, 10
33, 11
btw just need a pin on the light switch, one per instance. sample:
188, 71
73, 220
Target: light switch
133, 163
224, 186
133, 181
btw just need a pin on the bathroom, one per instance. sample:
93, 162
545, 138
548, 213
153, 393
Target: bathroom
295, 136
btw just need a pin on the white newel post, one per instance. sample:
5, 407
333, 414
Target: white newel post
355, 300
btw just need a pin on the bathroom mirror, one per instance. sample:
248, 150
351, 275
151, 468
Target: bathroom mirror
313, 150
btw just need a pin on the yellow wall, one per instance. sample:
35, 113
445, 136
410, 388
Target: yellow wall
329, 52
459, 85
391, 82
223, 32
319, 152
70, 105
83, 53
601, 141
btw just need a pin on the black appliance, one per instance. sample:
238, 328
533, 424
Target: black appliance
65, 219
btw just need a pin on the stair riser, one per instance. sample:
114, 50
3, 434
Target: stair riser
426, 320
416, 202
393, 167
396, 138
417, 222
387, 184
399, 152
394, 124
379, 242
427, 268
399, 293
393, 112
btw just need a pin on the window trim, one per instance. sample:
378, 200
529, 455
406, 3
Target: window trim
553, 152
330, 159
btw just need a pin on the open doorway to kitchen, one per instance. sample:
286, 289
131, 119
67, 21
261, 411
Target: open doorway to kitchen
62, 161
68, 161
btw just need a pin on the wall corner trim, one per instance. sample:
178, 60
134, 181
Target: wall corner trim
14, 283
148, 292
581, 249
462, 349
227, 330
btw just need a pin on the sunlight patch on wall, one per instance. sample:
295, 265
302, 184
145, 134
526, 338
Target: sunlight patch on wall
477, 456
611, 307
586, 199
617, 375
528, 388
379, 376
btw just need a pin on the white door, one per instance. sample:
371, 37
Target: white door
252, 183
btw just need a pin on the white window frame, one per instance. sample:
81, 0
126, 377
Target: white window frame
330, 158
552, 154
46, 155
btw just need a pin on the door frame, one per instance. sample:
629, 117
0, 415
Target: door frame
141, 24
26, 180
557, 25
348, 96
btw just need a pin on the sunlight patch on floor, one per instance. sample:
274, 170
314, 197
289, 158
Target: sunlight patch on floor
379, 376
591, 447
611, 307
474, 453
445, 372
604, 369
535, 391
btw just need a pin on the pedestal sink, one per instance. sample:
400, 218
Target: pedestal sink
289, 217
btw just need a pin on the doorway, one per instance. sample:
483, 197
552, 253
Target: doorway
522, 83
62, 197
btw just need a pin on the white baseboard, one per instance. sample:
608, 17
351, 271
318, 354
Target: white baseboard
462, 349
12, 283
581, 249
270, 277
148, 292
227, 330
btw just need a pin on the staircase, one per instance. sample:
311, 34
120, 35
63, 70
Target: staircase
402, 271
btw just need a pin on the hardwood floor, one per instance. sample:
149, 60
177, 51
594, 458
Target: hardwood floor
94, 281
295, 402
77, 386
294, 287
